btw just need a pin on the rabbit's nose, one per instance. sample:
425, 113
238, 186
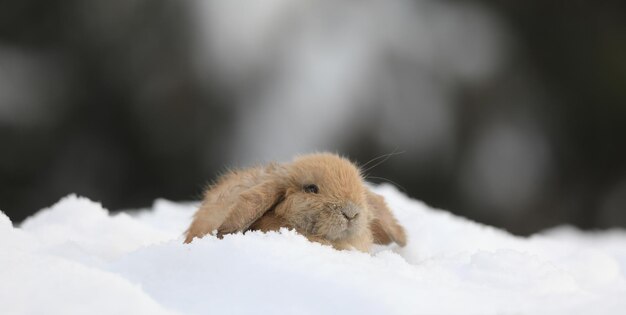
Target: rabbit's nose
350, 211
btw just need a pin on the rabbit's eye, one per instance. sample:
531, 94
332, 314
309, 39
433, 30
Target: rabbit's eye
311, 188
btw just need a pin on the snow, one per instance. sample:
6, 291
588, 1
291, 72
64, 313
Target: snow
76, 258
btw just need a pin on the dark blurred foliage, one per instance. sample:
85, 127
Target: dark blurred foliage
577, 50
127, 117
119, 61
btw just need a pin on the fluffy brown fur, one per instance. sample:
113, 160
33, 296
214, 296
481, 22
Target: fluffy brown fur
341, 212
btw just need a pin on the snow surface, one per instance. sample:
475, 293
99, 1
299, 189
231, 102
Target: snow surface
76, 258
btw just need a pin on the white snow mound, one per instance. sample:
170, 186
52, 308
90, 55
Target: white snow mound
76, 258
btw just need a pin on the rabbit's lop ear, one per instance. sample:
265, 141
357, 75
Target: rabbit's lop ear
237, 201
385, 227
251, 205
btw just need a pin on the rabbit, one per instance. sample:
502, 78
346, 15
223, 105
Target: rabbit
322, 196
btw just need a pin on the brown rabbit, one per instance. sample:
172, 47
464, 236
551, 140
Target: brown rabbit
322, 196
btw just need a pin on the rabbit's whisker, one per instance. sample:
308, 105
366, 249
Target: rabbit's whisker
388, 180
384, 158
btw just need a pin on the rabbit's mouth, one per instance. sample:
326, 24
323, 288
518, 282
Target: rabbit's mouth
332, 224
340, 229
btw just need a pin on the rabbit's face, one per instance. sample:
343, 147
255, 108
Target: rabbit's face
325, 197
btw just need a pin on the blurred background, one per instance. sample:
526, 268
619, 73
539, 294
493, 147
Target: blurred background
511, 113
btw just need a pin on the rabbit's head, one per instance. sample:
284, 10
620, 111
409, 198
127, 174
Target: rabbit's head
322, 196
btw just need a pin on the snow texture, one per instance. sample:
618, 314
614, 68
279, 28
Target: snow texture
76, 258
